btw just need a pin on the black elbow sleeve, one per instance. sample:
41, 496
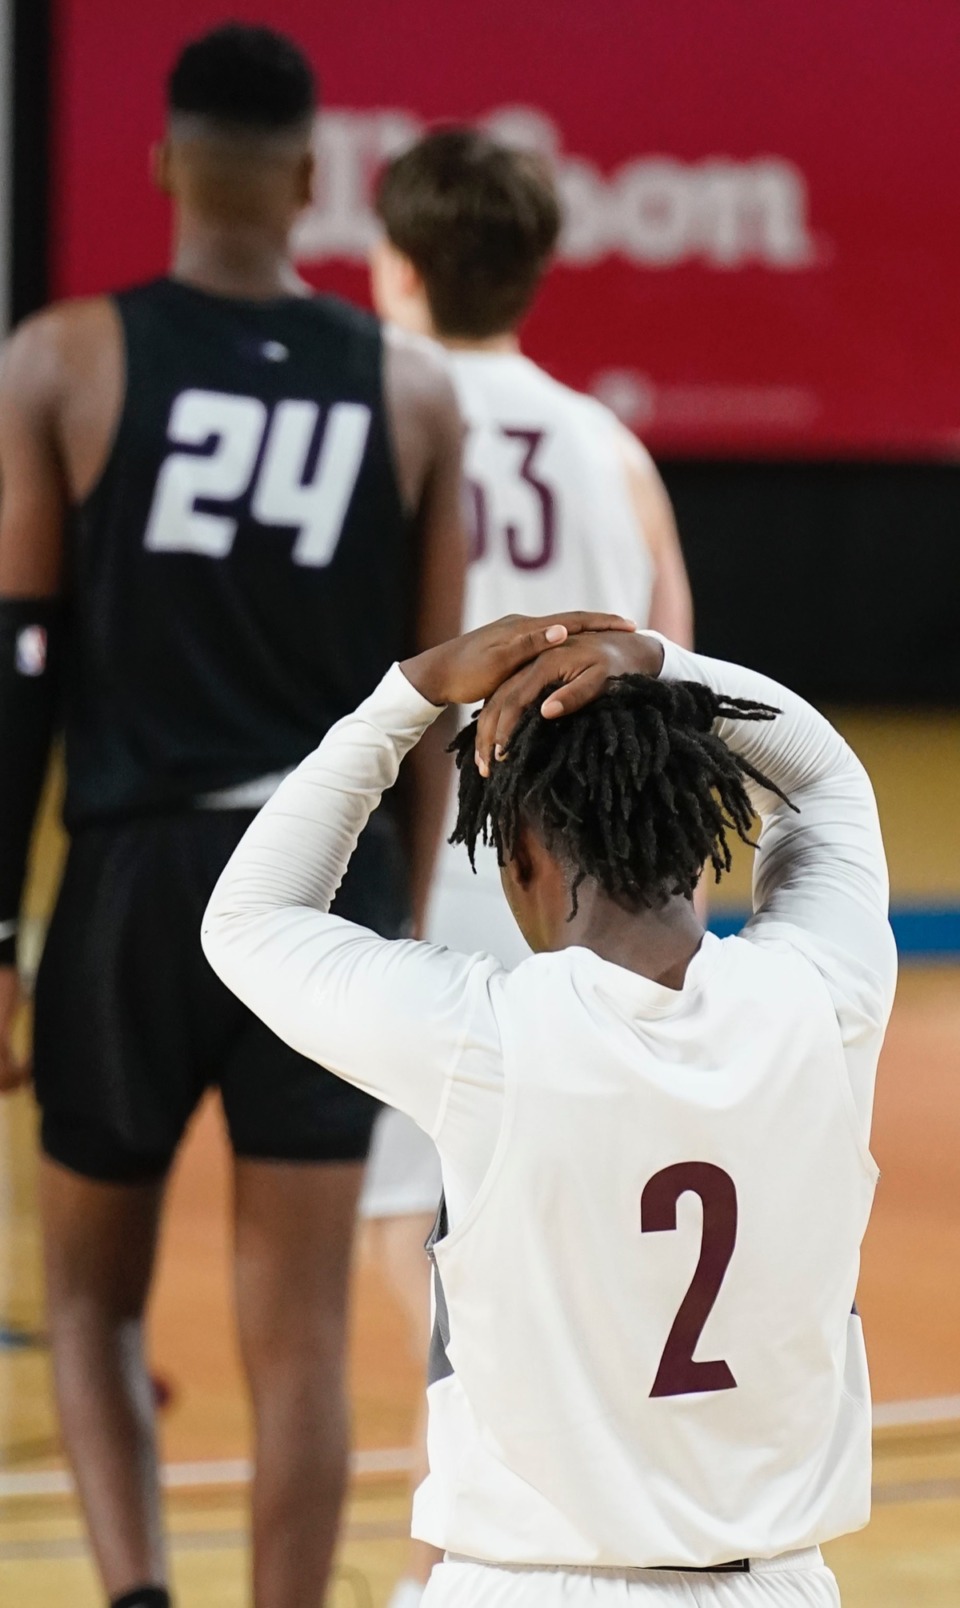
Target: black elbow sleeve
30, 633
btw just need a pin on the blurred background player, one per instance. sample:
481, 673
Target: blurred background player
565, 507
227, 506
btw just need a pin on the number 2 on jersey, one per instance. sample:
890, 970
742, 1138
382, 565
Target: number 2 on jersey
678, 1373
270, 456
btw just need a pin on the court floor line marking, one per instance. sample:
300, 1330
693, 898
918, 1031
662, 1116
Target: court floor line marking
902, 1414
227, 1540
397, 1460
186, 1476
230, 1539
916, 1491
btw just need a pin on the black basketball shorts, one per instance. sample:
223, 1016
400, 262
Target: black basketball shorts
131, 1024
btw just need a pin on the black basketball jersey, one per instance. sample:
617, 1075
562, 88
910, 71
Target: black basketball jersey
244, 572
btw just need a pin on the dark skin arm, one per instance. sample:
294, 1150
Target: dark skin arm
54, 437
31, 516
427, 433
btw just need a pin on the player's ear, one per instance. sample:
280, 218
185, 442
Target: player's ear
408, 277
383, 276
160, 166
521, 863
306, 173
397, 288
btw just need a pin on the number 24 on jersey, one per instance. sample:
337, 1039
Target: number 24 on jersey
267, 455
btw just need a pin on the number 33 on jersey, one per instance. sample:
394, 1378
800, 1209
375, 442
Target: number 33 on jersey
547, 498
298, 467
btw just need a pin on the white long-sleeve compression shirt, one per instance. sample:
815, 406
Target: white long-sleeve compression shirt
417, 1025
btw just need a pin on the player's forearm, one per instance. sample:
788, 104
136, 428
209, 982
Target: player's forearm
296, 851
836, 834
388, 1016
28, 707
799, 751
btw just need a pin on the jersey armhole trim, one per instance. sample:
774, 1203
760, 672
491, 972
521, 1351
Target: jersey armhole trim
411, 515
433, 1132
82, 504
455, 1235
864, 1152
849, 1104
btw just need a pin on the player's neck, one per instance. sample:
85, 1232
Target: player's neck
227, 260
658, 944
494, 343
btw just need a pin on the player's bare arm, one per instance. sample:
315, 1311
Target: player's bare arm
54, 435
31, 515
427, 433
671, 602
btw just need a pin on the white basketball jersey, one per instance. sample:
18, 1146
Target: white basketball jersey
552, 522
651, 1355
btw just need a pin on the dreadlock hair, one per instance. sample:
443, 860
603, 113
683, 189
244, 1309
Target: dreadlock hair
636, 791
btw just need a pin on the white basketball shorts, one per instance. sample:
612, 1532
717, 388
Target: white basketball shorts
403, 1173
468, 911
795, 1580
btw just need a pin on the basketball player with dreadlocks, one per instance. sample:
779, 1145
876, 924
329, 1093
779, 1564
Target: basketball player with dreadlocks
648, 1379
227, 506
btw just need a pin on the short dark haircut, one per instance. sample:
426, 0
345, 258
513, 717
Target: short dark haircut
244, 77
478, 220
636, 792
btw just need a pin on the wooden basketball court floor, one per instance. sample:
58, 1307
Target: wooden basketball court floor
909, 1556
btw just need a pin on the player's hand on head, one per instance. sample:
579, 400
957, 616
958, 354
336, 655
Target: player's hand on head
469, 668
15, 1070
584, 664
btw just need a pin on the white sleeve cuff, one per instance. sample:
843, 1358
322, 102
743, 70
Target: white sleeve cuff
679, 664
397, 708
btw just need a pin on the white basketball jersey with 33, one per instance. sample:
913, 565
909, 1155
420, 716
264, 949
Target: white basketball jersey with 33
548, 502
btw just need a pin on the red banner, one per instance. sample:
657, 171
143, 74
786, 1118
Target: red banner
762, 247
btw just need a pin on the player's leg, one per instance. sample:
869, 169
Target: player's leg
115, 1085
301, 1137
397, 1244
421, 1556
399, 1203
99, 1241
294, 1235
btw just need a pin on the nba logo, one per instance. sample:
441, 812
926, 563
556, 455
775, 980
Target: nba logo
31, 659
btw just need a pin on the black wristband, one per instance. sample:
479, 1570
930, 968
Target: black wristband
29, 652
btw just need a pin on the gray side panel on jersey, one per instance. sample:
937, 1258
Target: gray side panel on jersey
438, 1362
439, 1365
